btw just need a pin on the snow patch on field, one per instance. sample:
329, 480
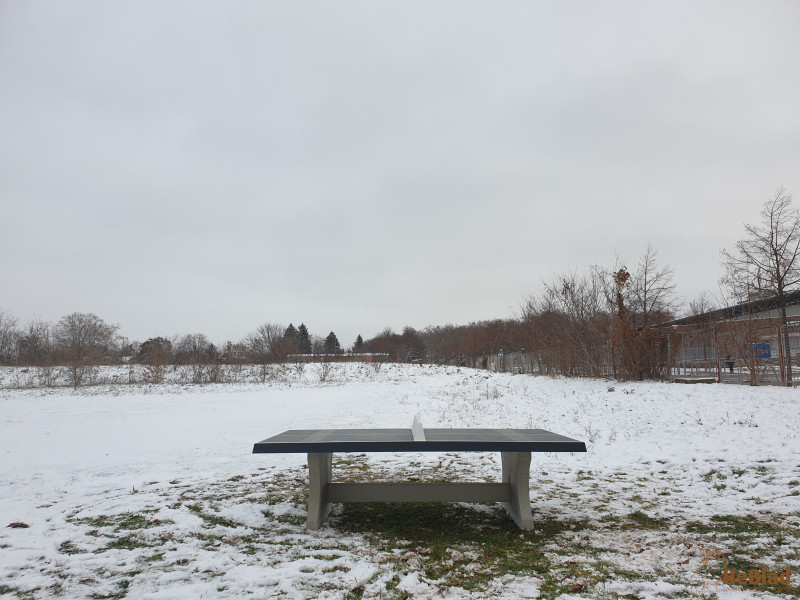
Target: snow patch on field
151, 490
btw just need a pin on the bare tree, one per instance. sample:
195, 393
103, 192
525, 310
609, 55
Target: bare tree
9, 337
269, 344
192, 348
702, 304
765, 262
84, 340
36, 344
652, 290
317, 344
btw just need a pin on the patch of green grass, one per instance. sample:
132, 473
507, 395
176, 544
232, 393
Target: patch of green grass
551, 587
335, 568
296, 520
707, 477
123, 591
154, 558
355, 594
128, 542
735, 525
57, 588
449, 539
211, 519
355, 462
69, 547
609, 519
645, 521
124, 521
210, 541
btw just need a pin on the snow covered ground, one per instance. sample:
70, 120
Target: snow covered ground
151, 491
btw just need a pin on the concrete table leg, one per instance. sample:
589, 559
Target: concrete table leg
319, 476
516, 472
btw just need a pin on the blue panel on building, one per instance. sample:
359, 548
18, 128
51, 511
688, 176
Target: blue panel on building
762, 351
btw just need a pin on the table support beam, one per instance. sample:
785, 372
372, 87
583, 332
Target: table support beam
319, 478
419, 492
516, 473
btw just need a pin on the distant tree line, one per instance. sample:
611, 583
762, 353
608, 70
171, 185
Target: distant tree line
593, 323
82, 341
579, 324
598, 322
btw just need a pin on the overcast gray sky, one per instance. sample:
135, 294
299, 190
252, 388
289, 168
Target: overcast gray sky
180, 167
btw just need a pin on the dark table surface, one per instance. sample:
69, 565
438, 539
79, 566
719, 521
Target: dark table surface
401, 440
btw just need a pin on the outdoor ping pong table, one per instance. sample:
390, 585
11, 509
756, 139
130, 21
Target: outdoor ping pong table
515, 446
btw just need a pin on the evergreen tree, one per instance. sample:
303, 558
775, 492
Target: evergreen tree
332, 344
291, 332
303, 339
359, 345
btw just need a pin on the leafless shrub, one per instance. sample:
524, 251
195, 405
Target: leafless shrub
81, 373
324, 370
299, 369
47, 375
564, 324
233, 373
132, 373
198, 372
215, 373
155, 354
